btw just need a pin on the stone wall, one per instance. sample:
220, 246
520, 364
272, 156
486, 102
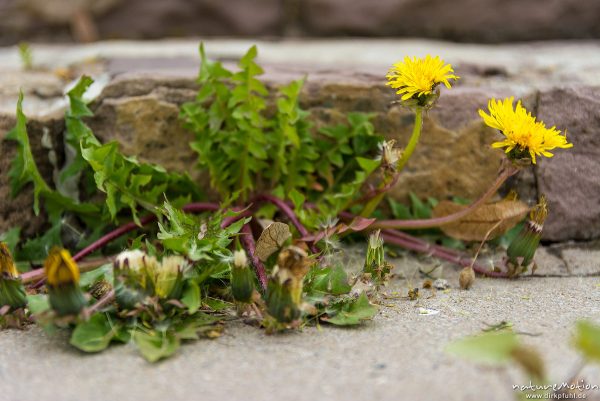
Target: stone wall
140, 104
461, 20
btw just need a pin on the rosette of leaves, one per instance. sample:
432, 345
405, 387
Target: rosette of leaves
251, 143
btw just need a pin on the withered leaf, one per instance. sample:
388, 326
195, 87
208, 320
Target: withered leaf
271, 239
495, 218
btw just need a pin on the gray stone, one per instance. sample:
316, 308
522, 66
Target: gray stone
570, 178
464, 20
461, 20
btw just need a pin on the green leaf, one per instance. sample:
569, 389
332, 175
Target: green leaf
587, 340
193, 325
23, 167
156, 345
37, 303
420, 209
330, 280
94, 335
216, 304
11, 238
368, 165
491, 348
191, 297
104, 272
353, 313
297, 198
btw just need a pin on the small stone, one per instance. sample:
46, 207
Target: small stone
441, 284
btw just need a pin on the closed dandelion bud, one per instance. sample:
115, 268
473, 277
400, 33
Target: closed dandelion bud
167, 276
375, 265
279, 298
242, 278
12, 292
293, 262
466, 278
62, 278
131, 278
284, 291
522, 249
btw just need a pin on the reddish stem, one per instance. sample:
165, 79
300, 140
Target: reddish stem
249, 245
506, 172
412, 243
289, 213
418, 245
102, 302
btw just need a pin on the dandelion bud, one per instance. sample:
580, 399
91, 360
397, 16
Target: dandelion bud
62, 274
12, 292
280, 303
466, 278
522, 249
375, 265
131, 277
242, 278
284, 291
167, 276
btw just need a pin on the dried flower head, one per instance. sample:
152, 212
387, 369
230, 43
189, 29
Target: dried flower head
417, 78
389, 154
525, 137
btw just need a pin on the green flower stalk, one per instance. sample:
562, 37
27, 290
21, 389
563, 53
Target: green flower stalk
284, 291
242, 278
64, 294
416, 80
522, 249
12, 292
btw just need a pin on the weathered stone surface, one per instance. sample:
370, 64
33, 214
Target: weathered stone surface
468, 20
148, 127
147, 83
462, 20
570, 179
139, 19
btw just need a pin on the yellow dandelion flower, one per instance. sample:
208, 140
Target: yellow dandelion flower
524, 135
60, 268
417, 77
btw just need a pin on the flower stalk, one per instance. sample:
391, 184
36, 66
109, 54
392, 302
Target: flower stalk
388, 182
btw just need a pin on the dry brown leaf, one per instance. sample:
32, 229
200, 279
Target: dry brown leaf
271, 239
504, 214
